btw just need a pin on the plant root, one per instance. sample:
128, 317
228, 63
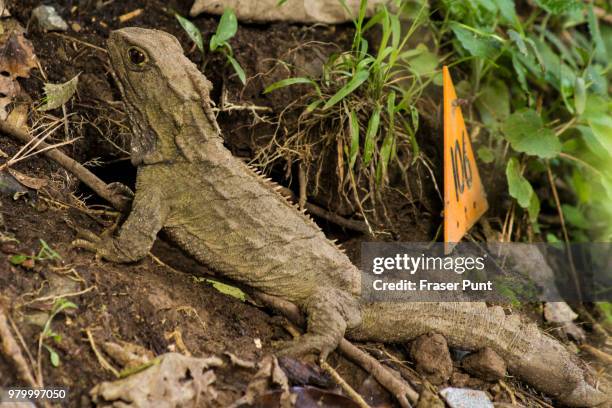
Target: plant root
103, 362
598, 354
403, 392
11, 350
344, 385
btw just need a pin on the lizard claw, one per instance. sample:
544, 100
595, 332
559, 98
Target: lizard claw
88, 241
86, 235
122, 191
308, 344
88, 246
84, 244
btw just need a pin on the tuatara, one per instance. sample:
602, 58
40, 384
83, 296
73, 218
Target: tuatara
226, 216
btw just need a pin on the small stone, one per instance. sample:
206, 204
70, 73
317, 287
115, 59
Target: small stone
76, 27
485, 364
48, 19
432, 358
466, 398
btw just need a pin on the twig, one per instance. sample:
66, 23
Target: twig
84, 175
344, 385
12, 352
598, 354
509, 391
99, 356
396, 386
54, 298
570, 257
129, 16
177, 336
90, 45
22, 342
228, 107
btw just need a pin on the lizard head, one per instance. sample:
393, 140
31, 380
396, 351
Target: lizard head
160, 87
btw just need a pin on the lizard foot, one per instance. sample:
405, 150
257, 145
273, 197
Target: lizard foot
91, 242
86, 240
308, 344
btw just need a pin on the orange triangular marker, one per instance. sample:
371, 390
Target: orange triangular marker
464, 197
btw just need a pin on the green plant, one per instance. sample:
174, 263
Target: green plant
47, 333
226, 30
605, 309
46, 253
539, 82
361, 111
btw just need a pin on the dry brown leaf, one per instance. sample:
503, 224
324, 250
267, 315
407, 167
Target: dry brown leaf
30, 182
18, 117
16, 60
17, 56
269, 377
304, 11
177, 380
9, 88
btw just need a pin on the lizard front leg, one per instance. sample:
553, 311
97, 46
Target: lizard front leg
136, 236
329, 313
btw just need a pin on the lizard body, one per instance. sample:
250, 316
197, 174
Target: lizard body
227, 217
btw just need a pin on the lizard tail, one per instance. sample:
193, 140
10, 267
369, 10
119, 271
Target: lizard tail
532, 355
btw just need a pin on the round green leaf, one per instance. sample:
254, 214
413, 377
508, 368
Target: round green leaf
526, 133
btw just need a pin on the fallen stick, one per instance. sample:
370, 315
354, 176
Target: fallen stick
76, 168
12, 352
598, 354
395, 385
344, 385
103, 362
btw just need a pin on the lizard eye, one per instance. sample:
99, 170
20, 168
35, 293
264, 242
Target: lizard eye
137, 56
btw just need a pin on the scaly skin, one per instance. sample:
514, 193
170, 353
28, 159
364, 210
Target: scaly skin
229, 218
